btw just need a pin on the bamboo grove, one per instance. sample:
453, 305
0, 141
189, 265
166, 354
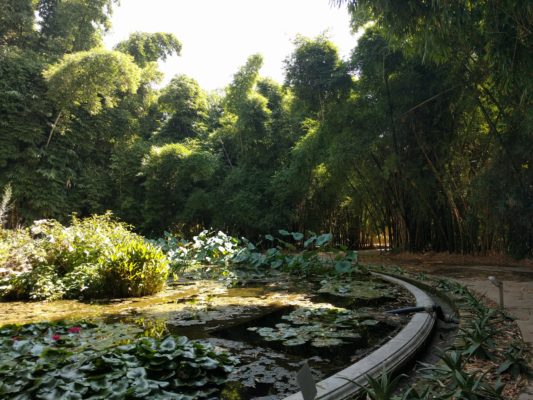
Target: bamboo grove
421, 140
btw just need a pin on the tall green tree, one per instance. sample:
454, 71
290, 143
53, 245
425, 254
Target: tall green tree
315, 72
68, 26
185, 109
150, 47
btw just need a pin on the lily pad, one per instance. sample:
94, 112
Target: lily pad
326, 342
323, 326
295, 342
359, 290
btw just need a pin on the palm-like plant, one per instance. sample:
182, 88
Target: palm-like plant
381, 388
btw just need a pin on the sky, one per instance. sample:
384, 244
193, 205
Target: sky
219, 35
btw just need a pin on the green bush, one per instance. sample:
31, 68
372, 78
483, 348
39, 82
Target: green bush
94, 257
134, 268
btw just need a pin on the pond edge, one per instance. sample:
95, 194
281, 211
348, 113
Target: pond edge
389, 358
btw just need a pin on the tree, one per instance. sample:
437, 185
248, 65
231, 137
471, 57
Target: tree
150, 47
315, 72
91, 80
185, 110
68, 26
16, 22
172, 174
487, 46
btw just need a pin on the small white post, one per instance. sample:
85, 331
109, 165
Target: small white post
499, 285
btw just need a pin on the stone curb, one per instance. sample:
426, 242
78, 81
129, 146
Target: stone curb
389, 357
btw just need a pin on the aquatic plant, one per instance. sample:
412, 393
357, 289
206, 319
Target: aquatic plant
319, 327
52, 361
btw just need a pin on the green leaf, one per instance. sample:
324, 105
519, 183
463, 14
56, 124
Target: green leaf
168, 344
343, 267
326, 342
297, 235
323, 239
136, 373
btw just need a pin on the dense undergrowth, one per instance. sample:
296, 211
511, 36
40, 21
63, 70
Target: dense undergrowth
93, 257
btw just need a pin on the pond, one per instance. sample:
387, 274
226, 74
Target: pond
271, 326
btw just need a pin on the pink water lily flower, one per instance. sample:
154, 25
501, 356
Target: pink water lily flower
74, 329
56, 337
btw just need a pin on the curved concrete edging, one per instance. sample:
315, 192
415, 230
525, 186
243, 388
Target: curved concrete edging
389, 357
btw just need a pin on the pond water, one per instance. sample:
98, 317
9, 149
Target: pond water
271, 325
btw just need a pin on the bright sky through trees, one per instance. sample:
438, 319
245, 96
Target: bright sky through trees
219, 35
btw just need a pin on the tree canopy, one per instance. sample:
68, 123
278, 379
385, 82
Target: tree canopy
420, 141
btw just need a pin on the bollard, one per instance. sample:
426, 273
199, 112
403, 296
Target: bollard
499, 285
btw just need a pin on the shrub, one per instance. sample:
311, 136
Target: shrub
134, 268
94, 257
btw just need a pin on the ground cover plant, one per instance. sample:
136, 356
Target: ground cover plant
112, 361
93, 257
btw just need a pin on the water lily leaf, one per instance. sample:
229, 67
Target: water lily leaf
209, 363
51, 395
265, 331
99, 384
344, 334
283, 232
364, 290
70, 372
343, 267
168, 344
136, 373
295, 342
71, 396
326, 342
141, 387
95, 360
36, 350
160, 384
19, 345
370, 322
